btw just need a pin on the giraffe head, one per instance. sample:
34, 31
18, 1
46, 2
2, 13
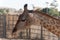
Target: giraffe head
23, 21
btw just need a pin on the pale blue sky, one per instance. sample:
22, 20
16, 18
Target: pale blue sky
17, 4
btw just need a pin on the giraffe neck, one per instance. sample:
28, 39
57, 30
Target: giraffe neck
49, 23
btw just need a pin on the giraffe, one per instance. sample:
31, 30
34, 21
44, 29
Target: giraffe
25, 20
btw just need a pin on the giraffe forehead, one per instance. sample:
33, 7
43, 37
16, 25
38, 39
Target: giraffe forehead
31, 15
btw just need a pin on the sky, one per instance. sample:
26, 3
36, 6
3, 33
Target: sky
18, 4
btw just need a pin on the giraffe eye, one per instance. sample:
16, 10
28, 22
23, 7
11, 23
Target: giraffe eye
23, 20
